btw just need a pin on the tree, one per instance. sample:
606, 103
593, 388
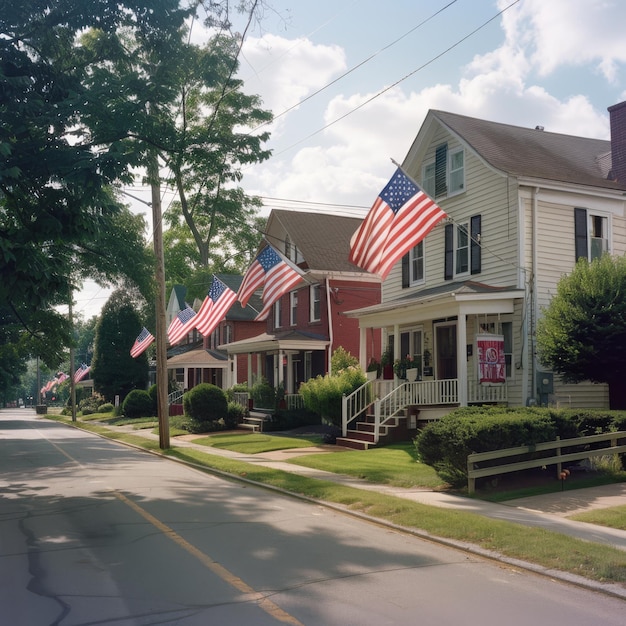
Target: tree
214, 223
59, 219
114, 371
582, 334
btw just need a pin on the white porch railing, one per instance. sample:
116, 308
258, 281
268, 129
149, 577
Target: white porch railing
294, 401
477, 393
388, 400
175, 397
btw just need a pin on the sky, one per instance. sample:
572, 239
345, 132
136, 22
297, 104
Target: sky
350, 83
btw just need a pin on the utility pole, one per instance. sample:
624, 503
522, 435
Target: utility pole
72, 383
161, 330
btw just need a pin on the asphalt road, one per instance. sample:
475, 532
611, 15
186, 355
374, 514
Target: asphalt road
94, 532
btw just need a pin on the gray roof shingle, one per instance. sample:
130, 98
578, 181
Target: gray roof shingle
529, 152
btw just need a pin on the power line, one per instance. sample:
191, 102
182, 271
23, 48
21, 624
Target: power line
386, 89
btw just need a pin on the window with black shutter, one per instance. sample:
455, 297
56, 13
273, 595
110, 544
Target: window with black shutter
475, 249
441, 163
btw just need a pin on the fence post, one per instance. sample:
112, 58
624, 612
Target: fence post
471, 481
558, 453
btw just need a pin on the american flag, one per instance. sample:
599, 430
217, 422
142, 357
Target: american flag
215, 307
180, 325
272, 272
143, 341
81, 372
399, 219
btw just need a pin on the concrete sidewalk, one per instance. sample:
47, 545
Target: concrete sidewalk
547, 511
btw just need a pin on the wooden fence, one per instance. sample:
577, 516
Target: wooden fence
555, 455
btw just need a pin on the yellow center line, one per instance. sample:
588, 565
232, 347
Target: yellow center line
267, 605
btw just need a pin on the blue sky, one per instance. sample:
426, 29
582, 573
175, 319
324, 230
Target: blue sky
554, 63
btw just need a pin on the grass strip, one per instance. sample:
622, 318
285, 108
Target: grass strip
256, 443
534, 545
613, 517
394, 465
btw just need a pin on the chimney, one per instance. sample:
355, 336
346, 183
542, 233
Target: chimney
618, 142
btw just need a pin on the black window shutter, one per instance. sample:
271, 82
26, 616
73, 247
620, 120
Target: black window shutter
441, 162
405, 270
580, 232
475, 249
448, 271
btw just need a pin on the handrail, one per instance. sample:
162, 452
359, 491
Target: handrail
173, 397
435, 392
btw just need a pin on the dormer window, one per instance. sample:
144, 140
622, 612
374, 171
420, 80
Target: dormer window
445, 176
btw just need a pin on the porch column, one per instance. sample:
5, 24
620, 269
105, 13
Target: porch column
396, 341
280, 377
363, 348
461, 357
249, 381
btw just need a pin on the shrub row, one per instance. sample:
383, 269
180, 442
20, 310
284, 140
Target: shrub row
446, 444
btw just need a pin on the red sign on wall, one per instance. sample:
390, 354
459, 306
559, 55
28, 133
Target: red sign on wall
491, 360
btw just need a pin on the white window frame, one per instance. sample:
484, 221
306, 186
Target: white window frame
428, 179
597, 221
315, 294
293, 308
278, 318
462, 246
416, 261
456, 173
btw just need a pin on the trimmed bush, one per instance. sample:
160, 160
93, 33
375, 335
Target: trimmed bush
107, 407
446, 444
322, 395
292, 418
235, 415
264, 395
205, 403
137, 403
153, 396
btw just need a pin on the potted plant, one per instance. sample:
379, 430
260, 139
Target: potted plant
373, 369
386, 364
406, 368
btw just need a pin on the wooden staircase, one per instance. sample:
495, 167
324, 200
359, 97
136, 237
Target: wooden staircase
361, 436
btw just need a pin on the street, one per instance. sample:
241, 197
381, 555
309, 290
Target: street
95, 532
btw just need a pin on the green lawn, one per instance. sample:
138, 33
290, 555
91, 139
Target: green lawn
257, 443
614, 517
395, 465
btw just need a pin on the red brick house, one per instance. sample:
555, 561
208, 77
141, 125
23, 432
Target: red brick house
308, 324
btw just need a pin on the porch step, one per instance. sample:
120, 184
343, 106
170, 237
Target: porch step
354, 444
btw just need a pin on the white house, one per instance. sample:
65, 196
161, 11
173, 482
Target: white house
522, 204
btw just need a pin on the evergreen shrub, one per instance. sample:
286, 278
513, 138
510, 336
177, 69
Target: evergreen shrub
205, 403
137, 403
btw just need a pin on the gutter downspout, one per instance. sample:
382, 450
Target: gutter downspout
533, 299
330, 325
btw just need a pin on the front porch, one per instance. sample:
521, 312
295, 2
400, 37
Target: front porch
379, 409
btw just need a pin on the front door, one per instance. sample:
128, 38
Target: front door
445, 351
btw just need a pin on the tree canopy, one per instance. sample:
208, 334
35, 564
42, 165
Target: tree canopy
582, 333
113, 370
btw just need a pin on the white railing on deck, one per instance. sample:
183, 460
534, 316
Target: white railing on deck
175, 396
241, 397
294, 401
477, 393
390, 397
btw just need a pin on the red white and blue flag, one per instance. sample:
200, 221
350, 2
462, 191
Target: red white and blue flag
274, 273
143, 341
81, 372
215, 307
399, 219
181, 325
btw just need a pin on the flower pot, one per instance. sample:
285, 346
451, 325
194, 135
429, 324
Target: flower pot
372, 375
411, 374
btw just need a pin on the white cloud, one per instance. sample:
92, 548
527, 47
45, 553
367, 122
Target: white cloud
569, 33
